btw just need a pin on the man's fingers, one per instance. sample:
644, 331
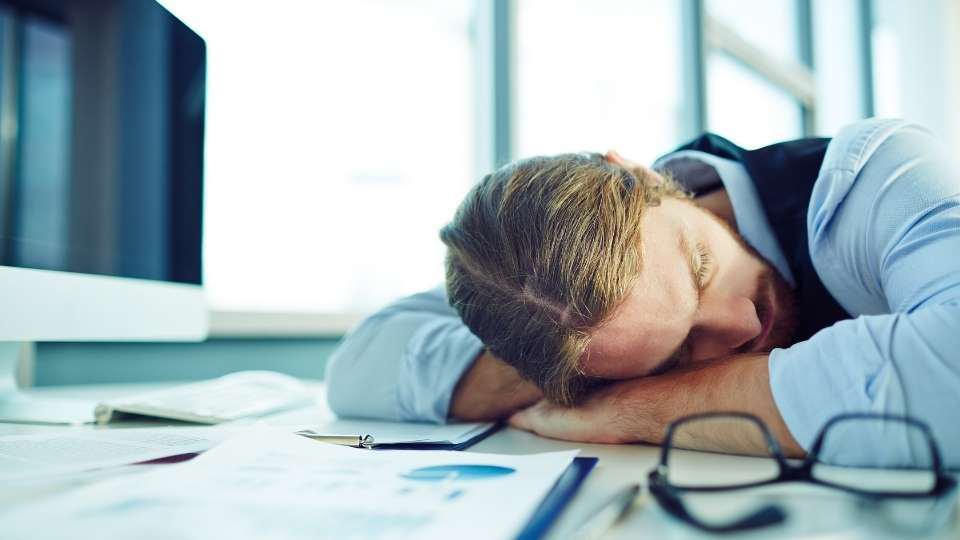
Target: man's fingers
524, 419
519, 421
528, 419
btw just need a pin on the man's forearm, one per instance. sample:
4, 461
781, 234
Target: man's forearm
491, 389
640, 409
741, 383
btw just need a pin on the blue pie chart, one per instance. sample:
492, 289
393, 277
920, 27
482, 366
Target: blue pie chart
436, 473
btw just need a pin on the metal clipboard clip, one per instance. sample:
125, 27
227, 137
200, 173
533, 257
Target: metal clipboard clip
355, 441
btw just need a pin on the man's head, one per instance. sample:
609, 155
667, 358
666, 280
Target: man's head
577, 270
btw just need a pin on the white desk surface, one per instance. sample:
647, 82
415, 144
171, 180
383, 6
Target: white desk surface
619, 466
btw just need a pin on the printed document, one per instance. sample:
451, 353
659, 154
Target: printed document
267, 483
62, 451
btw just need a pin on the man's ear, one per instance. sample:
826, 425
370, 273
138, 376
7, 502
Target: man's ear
640, 171
612, 156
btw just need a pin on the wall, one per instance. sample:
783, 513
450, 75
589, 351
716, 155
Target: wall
94, 363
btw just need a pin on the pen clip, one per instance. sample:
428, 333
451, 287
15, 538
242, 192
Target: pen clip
366, 441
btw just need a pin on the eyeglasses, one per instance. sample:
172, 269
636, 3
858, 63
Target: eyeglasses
916, 475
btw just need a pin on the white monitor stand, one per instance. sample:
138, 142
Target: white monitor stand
43, 305
15, 406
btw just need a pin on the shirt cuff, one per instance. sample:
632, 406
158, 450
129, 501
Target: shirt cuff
437, 355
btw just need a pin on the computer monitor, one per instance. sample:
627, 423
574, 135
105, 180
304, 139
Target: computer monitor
101, 181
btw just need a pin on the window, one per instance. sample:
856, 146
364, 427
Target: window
597, 76
746, 108
341, 136
769, 24
339, 141
755, 79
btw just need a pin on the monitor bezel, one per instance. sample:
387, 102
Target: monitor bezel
47, 305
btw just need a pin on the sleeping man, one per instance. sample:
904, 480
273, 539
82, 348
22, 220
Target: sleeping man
592, 299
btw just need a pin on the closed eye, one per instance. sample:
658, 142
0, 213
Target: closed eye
702, 265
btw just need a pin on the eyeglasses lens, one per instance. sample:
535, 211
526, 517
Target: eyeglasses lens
689, 468
906, 464
712, 434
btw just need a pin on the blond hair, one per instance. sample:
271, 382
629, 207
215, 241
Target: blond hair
542, 251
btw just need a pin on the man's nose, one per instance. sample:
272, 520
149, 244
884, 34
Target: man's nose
722, 326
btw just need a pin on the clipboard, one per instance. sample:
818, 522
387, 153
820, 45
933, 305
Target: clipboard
557, 499
367, 438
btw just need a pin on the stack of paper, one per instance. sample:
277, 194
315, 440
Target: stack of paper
243, 394
56, 452
270, 484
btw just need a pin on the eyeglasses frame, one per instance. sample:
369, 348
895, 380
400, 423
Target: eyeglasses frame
669, 495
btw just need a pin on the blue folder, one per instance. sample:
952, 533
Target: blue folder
442, 446
557, 499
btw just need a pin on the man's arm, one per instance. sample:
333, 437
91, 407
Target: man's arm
416, 360
639, 410
884, 230
491, 389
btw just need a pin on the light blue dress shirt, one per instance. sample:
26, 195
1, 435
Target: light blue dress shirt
884, 236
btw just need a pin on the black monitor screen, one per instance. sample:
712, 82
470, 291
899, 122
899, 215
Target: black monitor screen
101, 139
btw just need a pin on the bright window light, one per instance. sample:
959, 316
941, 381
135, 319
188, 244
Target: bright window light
746, 108
597, 76
770, 25
339, 140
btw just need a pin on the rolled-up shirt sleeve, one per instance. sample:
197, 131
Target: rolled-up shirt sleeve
884, 229
403, 362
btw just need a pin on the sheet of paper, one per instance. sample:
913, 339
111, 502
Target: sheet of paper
270, 484
62, 451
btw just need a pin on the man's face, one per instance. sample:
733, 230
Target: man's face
701, 293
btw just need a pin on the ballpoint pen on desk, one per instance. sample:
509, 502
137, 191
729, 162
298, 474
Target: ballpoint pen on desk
608, 514
357, 441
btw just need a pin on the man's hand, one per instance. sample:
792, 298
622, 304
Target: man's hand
491, 389
593, 422
639, 410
